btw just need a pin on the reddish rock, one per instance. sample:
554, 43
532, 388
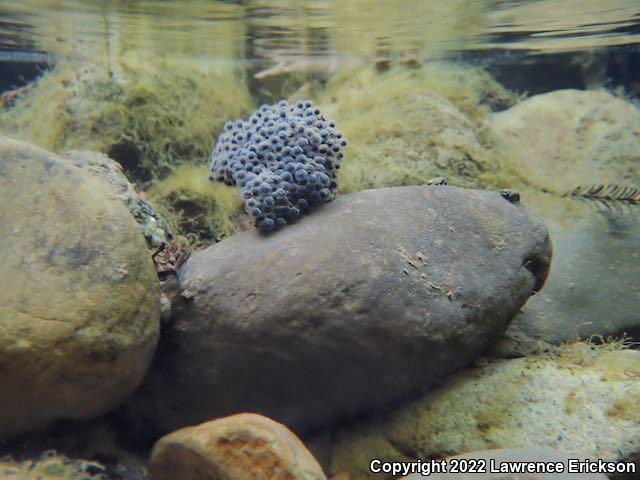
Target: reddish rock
240, 447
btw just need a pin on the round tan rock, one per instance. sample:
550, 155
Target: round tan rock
79, 308
566, 138
240, 447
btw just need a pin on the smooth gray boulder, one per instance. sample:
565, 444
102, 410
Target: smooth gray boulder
372, 296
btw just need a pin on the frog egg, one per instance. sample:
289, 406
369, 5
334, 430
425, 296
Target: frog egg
256, 212
267, 224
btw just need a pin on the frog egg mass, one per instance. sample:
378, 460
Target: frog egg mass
283, 157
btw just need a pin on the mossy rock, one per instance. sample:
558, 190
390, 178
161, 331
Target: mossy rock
51, 466
407, 126
566, 138
148, 117
199, 209
79, 306
583, 401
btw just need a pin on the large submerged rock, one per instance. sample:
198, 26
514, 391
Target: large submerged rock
79, 308
374, 295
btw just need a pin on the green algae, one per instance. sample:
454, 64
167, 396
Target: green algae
51, 466
406, 126
196, 207
148, 117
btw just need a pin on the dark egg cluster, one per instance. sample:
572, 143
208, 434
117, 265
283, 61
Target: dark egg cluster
284, 158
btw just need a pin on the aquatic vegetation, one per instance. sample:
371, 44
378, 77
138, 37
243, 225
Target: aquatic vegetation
409, 125
284, 158
608, 196
9, 97
587, 353
51, 466
194, 207
148, 117
471, 89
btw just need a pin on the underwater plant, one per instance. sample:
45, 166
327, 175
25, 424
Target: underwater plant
408, 125
149, 117
51, 465
193, 207
608, 195
284, 158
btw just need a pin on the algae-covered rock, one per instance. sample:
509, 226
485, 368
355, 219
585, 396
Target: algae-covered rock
51, 466
149, 117
201, 210
79, 309
585, 401
154, 228
374, 295
559, 140
237, 447
407, 126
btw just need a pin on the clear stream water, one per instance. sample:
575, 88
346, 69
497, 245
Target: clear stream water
331, 31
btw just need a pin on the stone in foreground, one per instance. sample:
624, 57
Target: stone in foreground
238, 447
584, 401
377, 294
79, 309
